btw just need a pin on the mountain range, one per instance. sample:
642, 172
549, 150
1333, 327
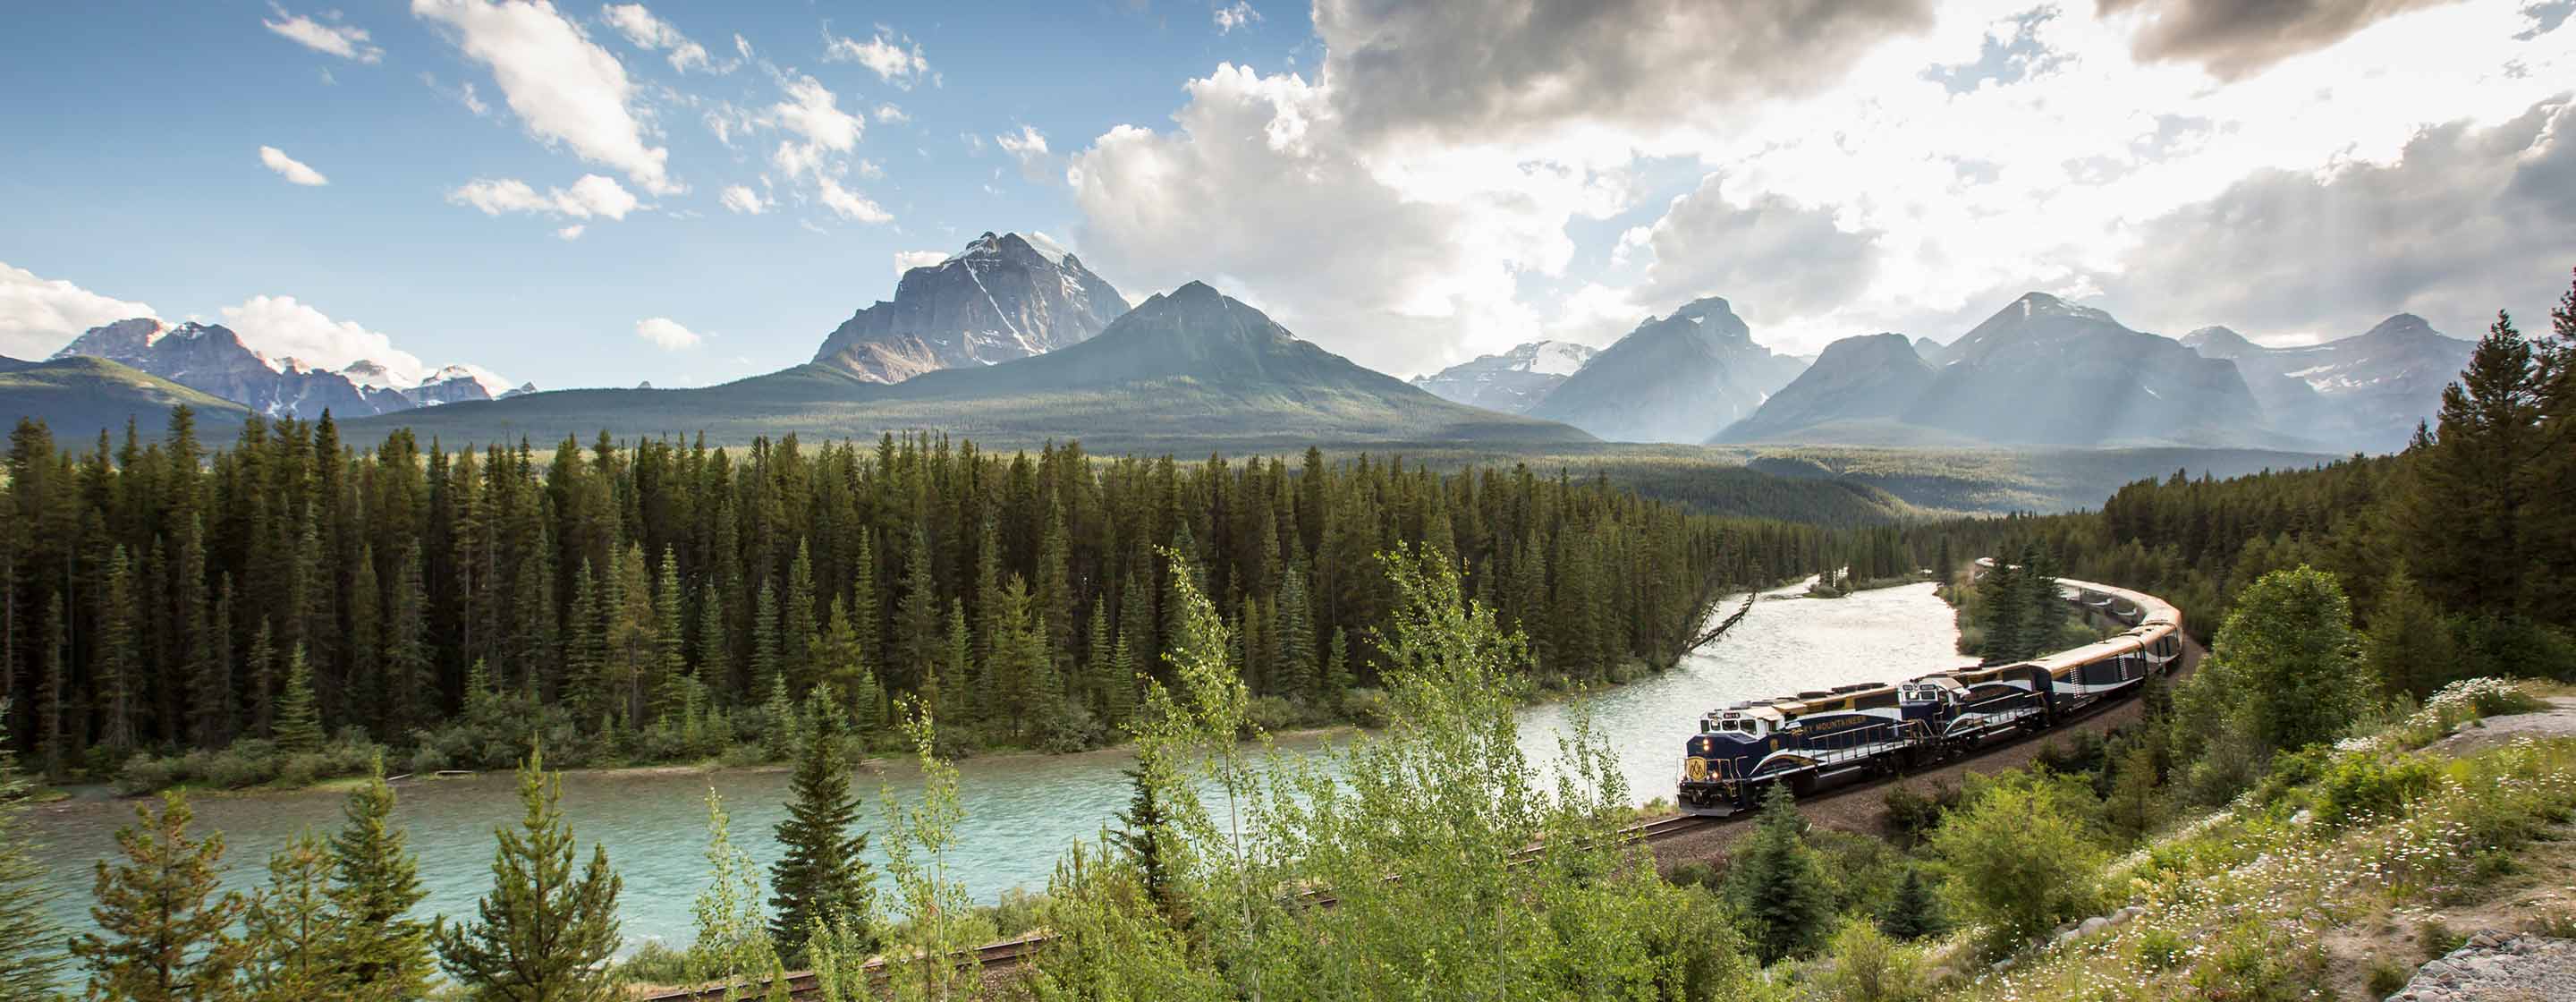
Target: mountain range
213, 359
2364, 392
1179, 370
1679, 378
1002, 298
1511, 382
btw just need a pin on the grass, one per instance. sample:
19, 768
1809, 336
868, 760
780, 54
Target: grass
2281, 896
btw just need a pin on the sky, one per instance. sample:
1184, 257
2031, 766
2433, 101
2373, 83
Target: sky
602, 195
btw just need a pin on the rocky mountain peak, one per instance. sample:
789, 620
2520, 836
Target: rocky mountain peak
2220, 342
1512, 381
1003, 296
2404, 327
1678, 378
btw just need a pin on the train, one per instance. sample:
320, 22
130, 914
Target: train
1823, 737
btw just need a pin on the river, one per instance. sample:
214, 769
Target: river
1021, 810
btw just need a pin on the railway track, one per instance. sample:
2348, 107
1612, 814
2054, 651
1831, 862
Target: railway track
1000, 957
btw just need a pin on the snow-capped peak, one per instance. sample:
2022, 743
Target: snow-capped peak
1558, 358
494, 384
990, 244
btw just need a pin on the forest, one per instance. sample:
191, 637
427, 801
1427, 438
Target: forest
303, 600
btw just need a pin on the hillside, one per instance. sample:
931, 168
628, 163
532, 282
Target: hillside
1680, 378
78, 397
1190, 370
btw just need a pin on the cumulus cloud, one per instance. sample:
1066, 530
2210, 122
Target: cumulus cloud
572, 232
2234, 38
1238, 16
1773, 256
908, 260
812, 112
1478, 68
39, 315
886, 54
344, 41
652, 34
280, 327
564, 87
744, 200
2465, 221
291, 169
667, 334
1312, 235
890, 113
593, 195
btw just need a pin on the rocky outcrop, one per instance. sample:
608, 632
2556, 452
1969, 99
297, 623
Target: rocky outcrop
2496, 965
1001, 298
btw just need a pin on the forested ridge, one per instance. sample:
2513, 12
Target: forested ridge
663, 600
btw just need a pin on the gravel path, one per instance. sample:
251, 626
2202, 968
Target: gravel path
1862, 808
2498, 967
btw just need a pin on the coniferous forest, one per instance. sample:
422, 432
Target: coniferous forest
662, 600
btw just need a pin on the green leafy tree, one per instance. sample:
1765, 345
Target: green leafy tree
375, 883
1777, 883
2021, 859
543, 933
733, 947
165, 935
823, 872
2285, 671
939, 917
293, 930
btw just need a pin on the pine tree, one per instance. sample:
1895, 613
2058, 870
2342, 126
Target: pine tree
299, 725
375, 884
1143, 829
823, 873
1777, 884
670, 665
1915, 910
543, 934
2000, 594
917, 626
796, 627
293, 931
2408, 647
2462, 509
1337, 670
261, 665
30, 941
164, 934
117, 668
766, 650
410, 669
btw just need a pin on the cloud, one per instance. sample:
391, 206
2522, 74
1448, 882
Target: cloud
812, 112
890, 113
38, 316
1485, 68
850, 205
2466, 221
1395, 281
1773, 256
2233, 38
572, 232
344, 41
564, 87
667, 334
743, 200
1029, 147
652, 34
280, 327
291, 169
885, 54
908, 260
593, 195
1241, 15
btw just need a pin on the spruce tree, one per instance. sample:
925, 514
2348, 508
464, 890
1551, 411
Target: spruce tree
260, 664
375, 883
766, 650
1776, 883
411, 673
1915, 910
165, 935
1143, 829
543, 934
30, 961
2408, 647
823, 873
299, 724
293, 932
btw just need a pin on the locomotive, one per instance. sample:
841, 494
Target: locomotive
1819, 737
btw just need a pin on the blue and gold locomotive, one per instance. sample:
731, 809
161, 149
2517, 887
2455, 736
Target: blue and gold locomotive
1819, 737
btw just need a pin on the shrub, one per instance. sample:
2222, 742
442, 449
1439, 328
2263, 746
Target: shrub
2362, 786
247, 763
2021, 859
1863, 965
2387, 977
654, 963
2162, 950
1367, 707
1912, 813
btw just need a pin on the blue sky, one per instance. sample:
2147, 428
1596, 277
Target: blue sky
1408, 184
